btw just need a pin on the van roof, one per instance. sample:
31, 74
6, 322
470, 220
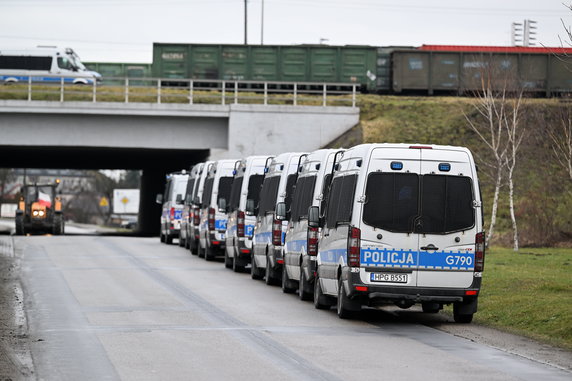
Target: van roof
364, 150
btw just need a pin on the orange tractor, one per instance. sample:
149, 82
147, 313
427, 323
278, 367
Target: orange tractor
40, 210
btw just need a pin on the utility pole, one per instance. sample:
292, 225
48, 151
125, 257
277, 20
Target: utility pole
245, 22
262, 25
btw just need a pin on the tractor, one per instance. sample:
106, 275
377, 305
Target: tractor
39, 210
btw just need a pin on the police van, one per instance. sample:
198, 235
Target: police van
44, 64
188, 206
244, 195
213, 213
311, 190
270, 227
403, 225
172, 209
195, 208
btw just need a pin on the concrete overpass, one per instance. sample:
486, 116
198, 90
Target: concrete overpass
158, 138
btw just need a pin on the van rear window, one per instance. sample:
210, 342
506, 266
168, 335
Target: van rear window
407, 203
340, 201
254, 187
224, 186
189, 192
235, 193
302, 198
207, 192
268, 195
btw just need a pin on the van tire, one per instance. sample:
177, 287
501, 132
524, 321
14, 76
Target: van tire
461, 316
168, 239
288, 285
200, 250
162, 237
181, 241
345, 307
303, 286
195, 247
209, 253
255, 272
270, 275
237, 266
187, 243
228, 261
321, 301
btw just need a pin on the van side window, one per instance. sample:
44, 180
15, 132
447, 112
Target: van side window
64, 63
268, 195
447, 204
391, 201
340, 200
224, 187
26, 63
235, 194
207, 192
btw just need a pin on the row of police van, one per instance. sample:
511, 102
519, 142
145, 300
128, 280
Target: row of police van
372, 225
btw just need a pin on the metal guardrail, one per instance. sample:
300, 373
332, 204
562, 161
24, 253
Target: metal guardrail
189, 91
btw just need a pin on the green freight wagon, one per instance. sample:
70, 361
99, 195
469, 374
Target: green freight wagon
460, 69
119, 70
285, 63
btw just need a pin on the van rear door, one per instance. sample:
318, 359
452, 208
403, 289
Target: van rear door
447, 220
388, 254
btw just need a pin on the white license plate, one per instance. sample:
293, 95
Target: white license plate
388, 277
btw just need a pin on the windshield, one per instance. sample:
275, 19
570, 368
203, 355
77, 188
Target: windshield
40, 194
409, 203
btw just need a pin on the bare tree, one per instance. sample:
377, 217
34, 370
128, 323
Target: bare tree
561, 141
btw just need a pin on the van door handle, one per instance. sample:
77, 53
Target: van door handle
429, 247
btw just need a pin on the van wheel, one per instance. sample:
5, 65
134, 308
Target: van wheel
288, 285
270, 275
346, 308
194, 247
463, 318
255, 272
321, 301
209, 253
200, 250
168, 239
303, 286
237, 266
188, 243
430, 308
181, 241
228, 261
162, 237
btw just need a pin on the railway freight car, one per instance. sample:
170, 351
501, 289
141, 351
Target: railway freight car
113, 72
288, 63
460, 69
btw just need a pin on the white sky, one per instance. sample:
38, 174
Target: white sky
124, 30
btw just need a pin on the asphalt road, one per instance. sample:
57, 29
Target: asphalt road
106, 308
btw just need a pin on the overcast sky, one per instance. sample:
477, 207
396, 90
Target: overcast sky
124, 30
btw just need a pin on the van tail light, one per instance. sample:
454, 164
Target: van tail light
312, 241
277, 232
211, 219
479, 252
196, 217
172, 213
240, 223
354, 246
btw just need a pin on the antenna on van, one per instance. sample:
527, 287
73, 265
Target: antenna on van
266, 163
300, 162
334, 164
236, 164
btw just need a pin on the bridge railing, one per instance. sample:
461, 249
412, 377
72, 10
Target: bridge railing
186, 91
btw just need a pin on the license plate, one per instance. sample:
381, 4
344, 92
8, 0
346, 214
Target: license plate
222, 235
388, 277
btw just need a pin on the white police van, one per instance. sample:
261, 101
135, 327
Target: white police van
403, 225
44, 64
195, 217
244, 195
270, 227
172, 201
213, 214
186, 237
311, 189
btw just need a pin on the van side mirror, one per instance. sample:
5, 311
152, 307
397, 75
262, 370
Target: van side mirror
222, 205
250, 207
179, 199
280, 211
314, 217
159, 199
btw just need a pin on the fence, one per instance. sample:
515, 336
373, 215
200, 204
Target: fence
189, 91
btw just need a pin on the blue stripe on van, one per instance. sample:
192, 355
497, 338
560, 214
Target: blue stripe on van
24, 78
438, 260
296, 246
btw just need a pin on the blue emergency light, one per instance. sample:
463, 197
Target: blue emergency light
444, 167
396, 165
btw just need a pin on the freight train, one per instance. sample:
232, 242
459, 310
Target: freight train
429, 69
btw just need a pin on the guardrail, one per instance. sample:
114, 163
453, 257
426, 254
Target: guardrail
189, 91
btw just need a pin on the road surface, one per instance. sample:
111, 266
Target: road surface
109, 308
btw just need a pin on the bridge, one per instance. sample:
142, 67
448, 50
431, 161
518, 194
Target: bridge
159, 137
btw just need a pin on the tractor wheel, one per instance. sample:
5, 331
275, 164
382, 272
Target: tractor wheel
58, 225
20, 225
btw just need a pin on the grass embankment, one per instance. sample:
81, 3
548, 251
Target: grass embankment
529, 293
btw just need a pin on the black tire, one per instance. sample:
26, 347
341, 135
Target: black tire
200, 250
19, 225
288, 285
321, 301
209, 253
255, 272
181, 241
346, 308
195, 247
270, 275
162, 237
168, 239
303, 286
58, 224
462, 318
188, 243
228, 261
430, 308
237, 266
